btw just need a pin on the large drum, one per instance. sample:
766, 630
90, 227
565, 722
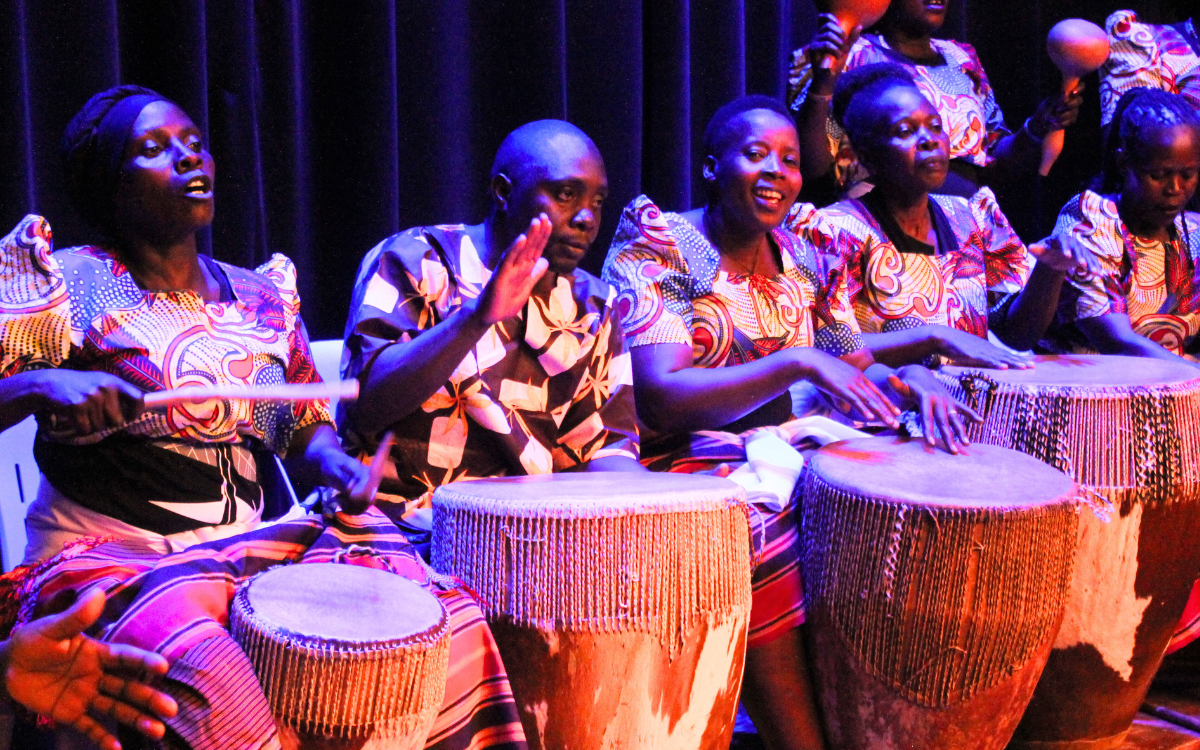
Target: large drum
1128, 430
934, 587
348, 656
620, 602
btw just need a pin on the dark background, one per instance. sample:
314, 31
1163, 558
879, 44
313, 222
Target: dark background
334, 125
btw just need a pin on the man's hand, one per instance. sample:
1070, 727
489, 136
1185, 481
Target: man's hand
56, 671
518, 271
81, 402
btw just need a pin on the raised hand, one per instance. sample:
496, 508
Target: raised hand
852, 392
828, 51
56, 671
1056, 112
969, 350
941, 414
79, 402
520, 268
1065, 253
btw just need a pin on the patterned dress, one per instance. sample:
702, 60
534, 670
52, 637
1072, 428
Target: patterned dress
673, 291
1142, 54
959, 90
188, 466
1154, 283
81, 308
897, 282
548, 390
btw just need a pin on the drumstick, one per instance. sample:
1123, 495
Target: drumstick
1175, 717
378, 464
347, 390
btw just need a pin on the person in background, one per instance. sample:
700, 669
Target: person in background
930, 275
1163, 57
725, 310
983, 151
1145, 301
484, 348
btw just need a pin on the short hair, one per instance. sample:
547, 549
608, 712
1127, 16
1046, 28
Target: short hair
859, 86
1138, 111
715, 132
93, 150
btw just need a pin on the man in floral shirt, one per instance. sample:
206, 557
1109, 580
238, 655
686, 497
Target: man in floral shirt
483, 348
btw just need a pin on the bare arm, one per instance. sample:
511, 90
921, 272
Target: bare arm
1032, 311
403, 376
829, 43
81, 402
673, 396
913, 345
1114, 334
1020, 154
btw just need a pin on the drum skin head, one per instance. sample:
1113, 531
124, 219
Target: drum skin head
1089, 370
909, 471
343, 603
601, 494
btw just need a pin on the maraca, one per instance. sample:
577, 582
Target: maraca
1077, 47
851, 13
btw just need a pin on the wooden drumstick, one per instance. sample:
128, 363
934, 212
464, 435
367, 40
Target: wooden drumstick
851, 13
1077, 48
347, 390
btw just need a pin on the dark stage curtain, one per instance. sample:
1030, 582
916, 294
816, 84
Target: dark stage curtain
336, 124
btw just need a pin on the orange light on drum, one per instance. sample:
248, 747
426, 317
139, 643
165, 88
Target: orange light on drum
851, 13
1077, 47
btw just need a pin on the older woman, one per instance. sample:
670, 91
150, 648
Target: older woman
87, 331
931, 275
724, 311
982, 149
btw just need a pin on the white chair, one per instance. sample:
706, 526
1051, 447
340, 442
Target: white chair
19, 480
327, 356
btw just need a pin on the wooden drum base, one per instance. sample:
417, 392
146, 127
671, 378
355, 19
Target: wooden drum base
863, 713
595, 690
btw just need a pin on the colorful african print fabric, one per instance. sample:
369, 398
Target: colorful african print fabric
1142, 54
978, 263
1154, 283
187, 466
959, 90
178, 605
546, 391
673, 291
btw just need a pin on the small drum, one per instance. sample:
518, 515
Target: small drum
1127, 430
349, 657
934, 587
620, 602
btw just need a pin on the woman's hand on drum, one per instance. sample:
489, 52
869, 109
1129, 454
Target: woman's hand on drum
1065, 253
54, 670
78, 403
852, 392
830, 43
969, 350
941, 414
506, 292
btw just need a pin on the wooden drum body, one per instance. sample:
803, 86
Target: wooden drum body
934, 587
350, 658
1126, 429
620, 602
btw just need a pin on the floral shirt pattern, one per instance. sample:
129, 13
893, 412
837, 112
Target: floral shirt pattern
955, 286
80, 308
546, 391
1154, 283
959, 90
672, 290
1142, 54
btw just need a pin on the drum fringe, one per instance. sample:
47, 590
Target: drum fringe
909, 608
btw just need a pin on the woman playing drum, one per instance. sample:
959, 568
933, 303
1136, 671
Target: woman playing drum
87, 331
1145, 301
949, 74
930, 275
724, 310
